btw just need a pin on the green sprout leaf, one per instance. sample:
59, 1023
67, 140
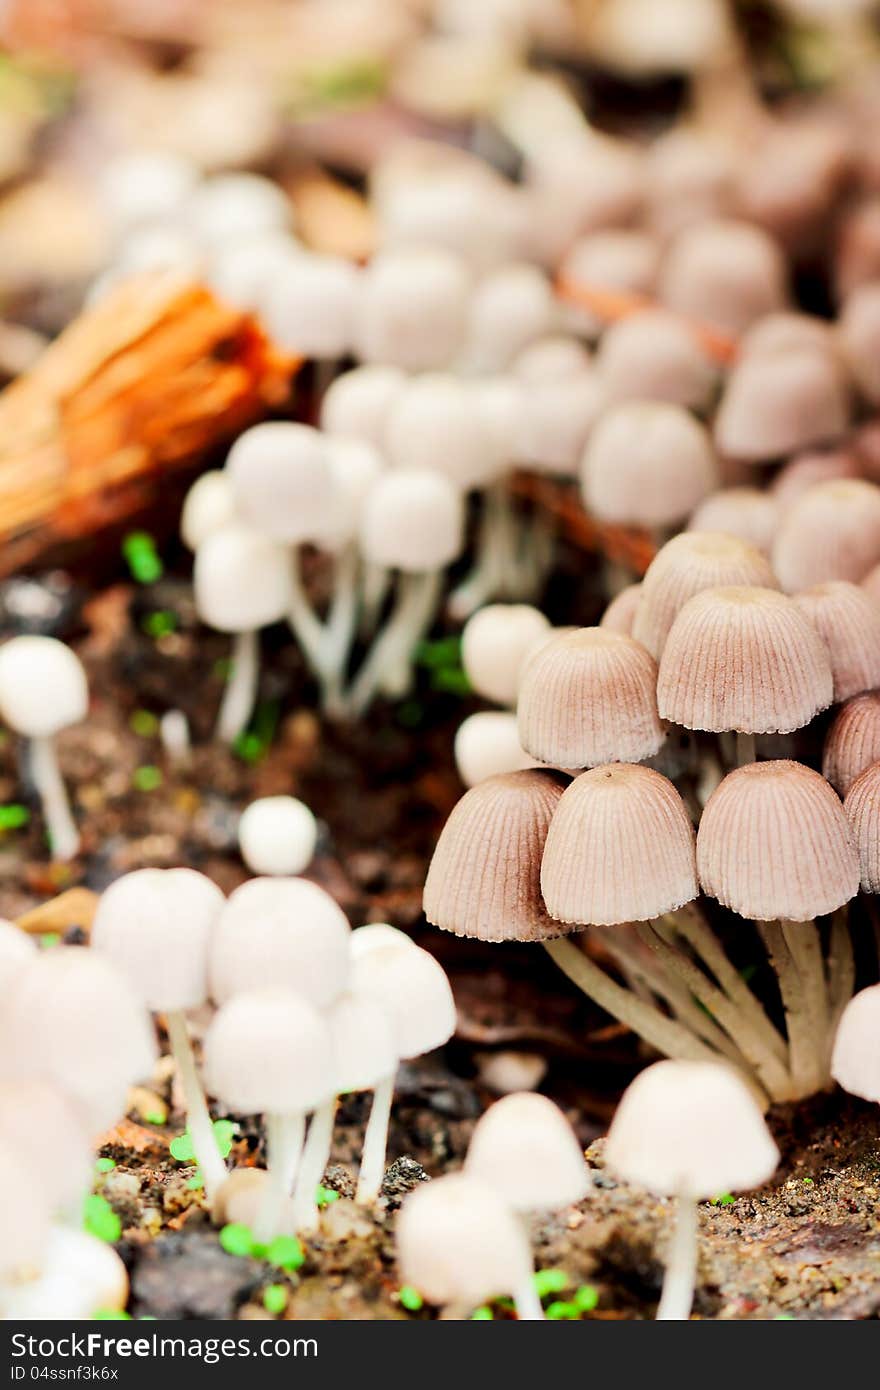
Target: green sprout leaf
559, 1311
549, 1281
13, 816
181, 1147
196, 1182
275, 1299
48, 939
410, 1299
236, 1239
142, 558
285, 1252
224, 1133
105, 1165
111, 1315
726, 1199
586, 1298
325, 1196
100, 1220
160, 623
143, 723
253, 745
146, 779
483, 1314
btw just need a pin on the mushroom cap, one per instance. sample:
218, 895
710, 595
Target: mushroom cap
277, 836
724, 274
683, 567
364, 1043
871, 583
743, 658
862, 807
855, 1060
498, 402
787, 331
208, 506
413, 520
509, 308
229, 206
853, 741
242, 580
156, 925
484, 878
17, 950
589, 697
526, 1150
39, 1120
459, 1242
749, 513
554, 358
73, 1019
655, 355
43, 686
357, 403
633, 37
495, 642
848, 622
859, 330
555, 420
413, 990
487, 745
776, 403
374, 934
800, 474
646, 463
774, 843
311, 305
142, 187
620, 848
269, 1052
690, 175
81, 1276
281, 480
831, 532
284, 932
24, 1216
690, 1129
435, 424
612, 262
241, 271
412, 311
620, 615
355, 467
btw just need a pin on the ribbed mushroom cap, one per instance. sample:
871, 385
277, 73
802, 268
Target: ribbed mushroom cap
848, 621
412, 310
494, 644
620, 848
655, 355
690, 1129
459, 1242
39, 1120
749, 513
17, 950
852, 742
724, 274
484, 878
743, 658
855, 1061
589, 697
414, 991
269, 1051
208, 506
281, 480
684, 566
74, 1020
42, 686
776, 403
802, 473
525, 1149
859, 330
647, 463
283, 932
156, 926
774, 842
357, 404
609, 262
862, 807
487, 744
311, 305
831, 532
412, 521
510, 308
364, 1044
241, 579
620, 615
24, 1215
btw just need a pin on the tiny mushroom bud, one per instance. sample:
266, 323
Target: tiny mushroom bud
776, 403
646, 463
412, 310
357, 404
853, 741
862, 807
589, 697
688, 1130
208, 507
486, 744
685, 566
495, 643
620, 615
723, 274
459, 1244
655, 355
270, 1052
749, 513
855, 1062
831, 532
848, 622
311, 303
43, 689
277, 835
157, 926
525, 1149
743, 658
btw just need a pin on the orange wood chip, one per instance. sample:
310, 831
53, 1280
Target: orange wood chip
75, 908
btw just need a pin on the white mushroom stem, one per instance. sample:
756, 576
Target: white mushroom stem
398, 678
313, 1163
677, 1298
240, 694
495, 556
304, 622
63, 834
374, 591
339, 628
526, 1301
805, 945
417, 599
284, 1142
746, 751
198, 1120
841, 969
372, 1168
803, 1064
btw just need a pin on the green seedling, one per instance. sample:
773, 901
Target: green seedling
284, 1252
142, 557
325, 1196
410, 1299
586, 1298
143, 723
483, 1314
275, 1299
726, 1199
160, 623
14, 816
549, 1281
111, 1315
100, 1220
146, 779
254, 743
560, 1311
48, 939
104, 1165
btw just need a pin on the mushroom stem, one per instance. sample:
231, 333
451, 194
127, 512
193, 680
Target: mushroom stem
495, 556
417, 598
315, 1154
841, 969
802, 1051
240, 694
664, 1033
374, 591
284, 1140
746, 751
677, 1297
805, 945
526, 1301
61, 827
340, 626
372, 1169
305, 624
198, 1119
